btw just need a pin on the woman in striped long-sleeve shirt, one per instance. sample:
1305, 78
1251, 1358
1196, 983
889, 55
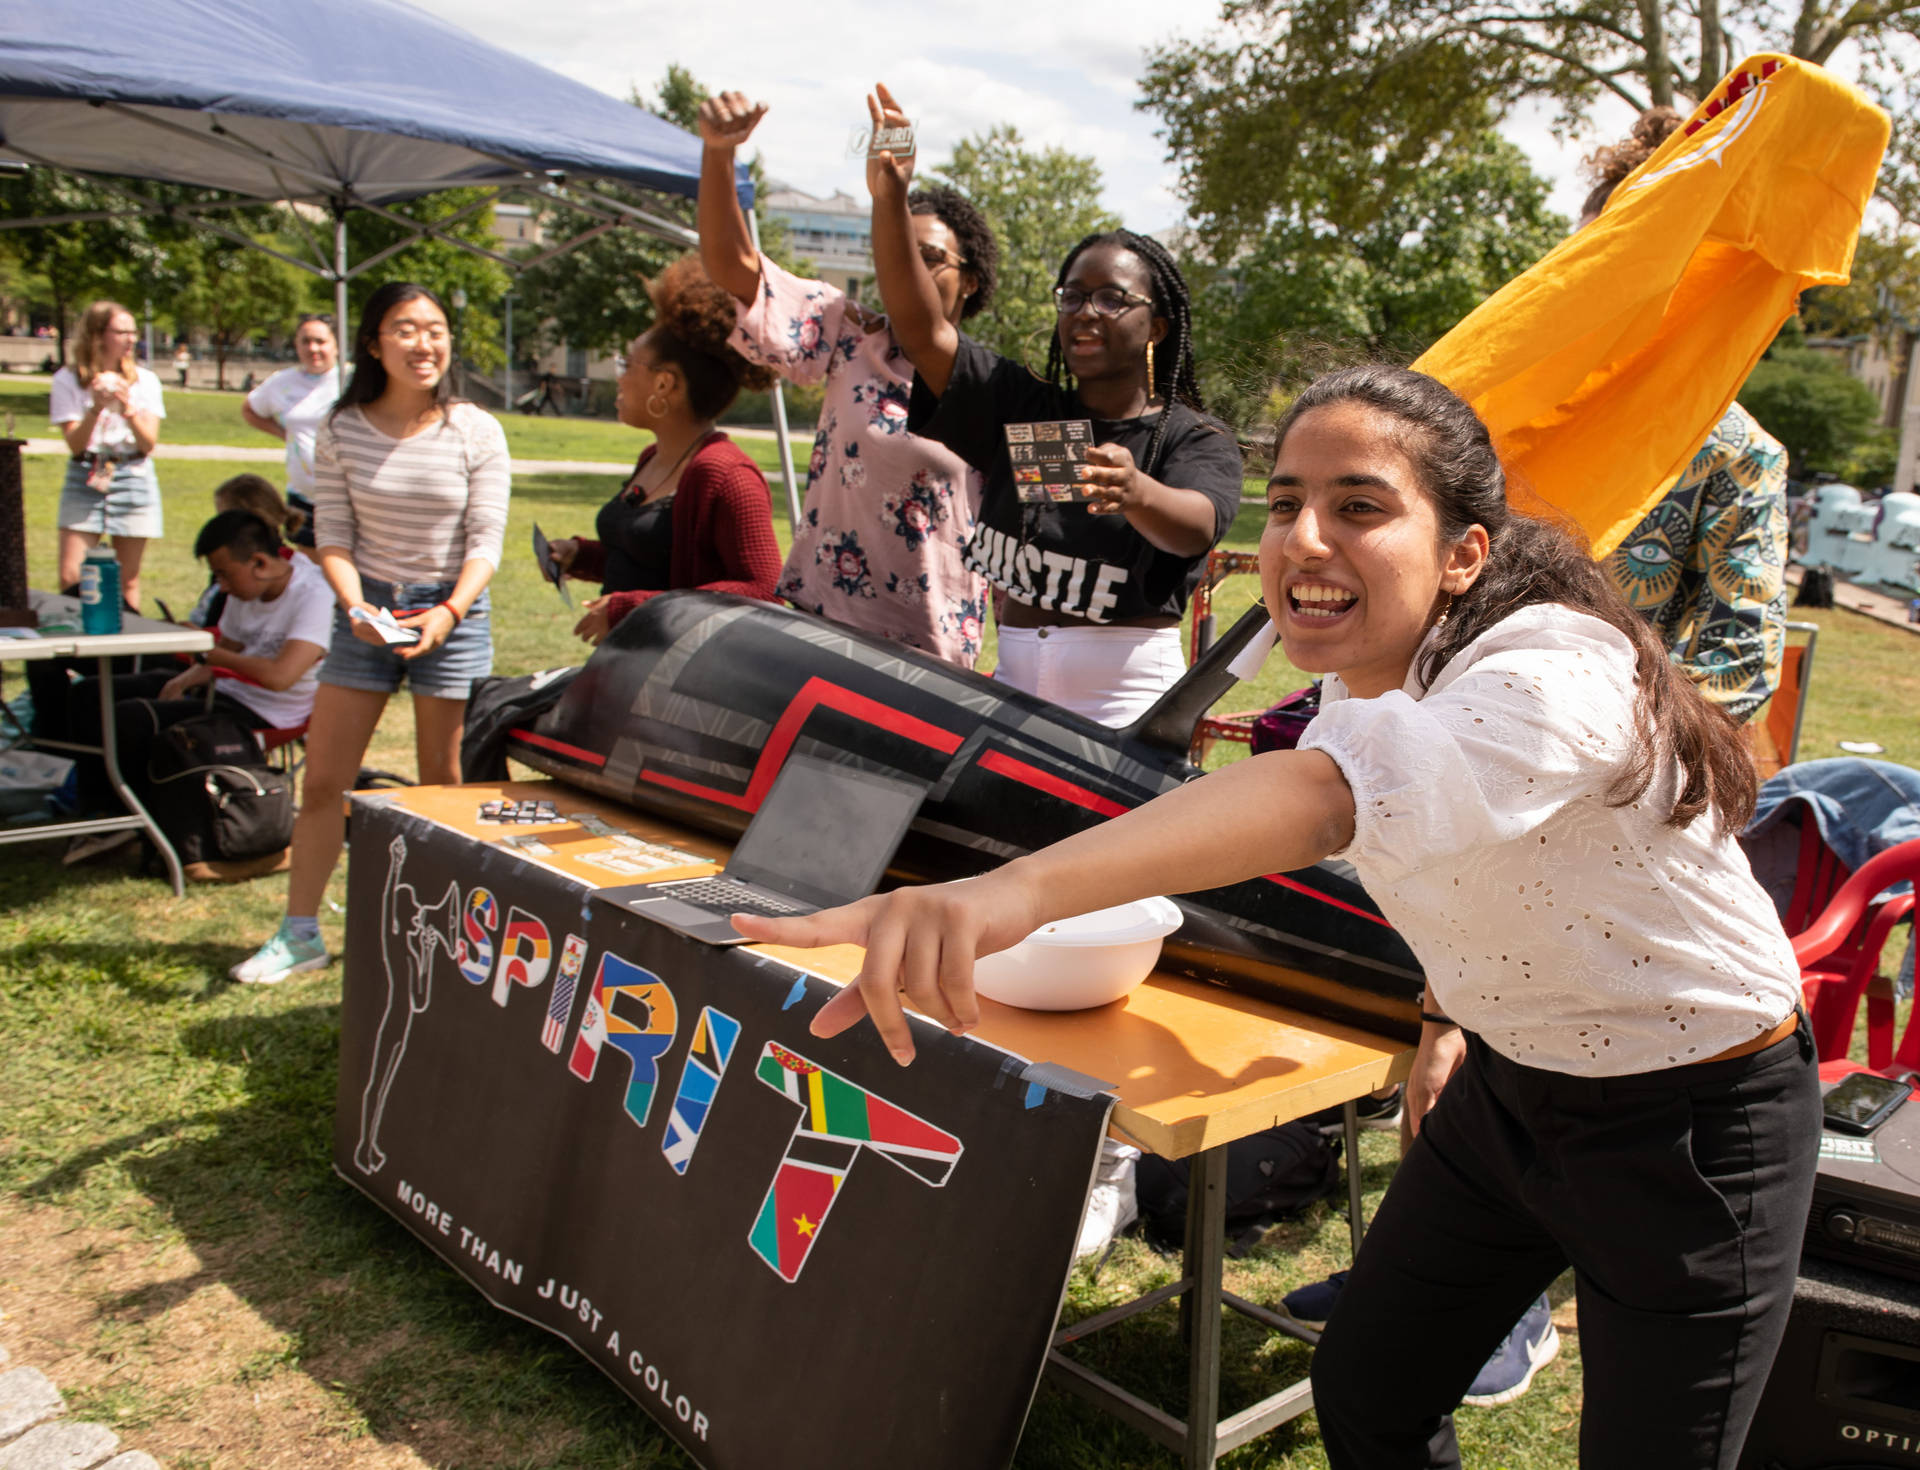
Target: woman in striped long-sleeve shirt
410, 506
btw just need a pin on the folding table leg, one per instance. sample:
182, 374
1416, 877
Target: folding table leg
1200, 1305
110, 751
1350, 1117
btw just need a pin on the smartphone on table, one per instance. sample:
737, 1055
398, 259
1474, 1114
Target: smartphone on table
1862, 1102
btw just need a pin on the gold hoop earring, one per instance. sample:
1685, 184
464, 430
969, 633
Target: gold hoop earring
661, 411
1149, 372
1445, 612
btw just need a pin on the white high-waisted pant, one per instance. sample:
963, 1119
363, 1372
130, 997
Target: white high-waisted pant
1112, 675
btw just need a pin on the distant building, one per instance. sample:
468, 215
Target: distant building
834, 233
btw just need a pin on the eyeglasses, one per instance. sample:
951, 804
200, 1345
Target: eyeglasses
406, 334
1107, 301
933, 258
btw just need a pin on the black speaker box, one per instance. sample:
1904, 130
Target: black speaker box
1845, 1390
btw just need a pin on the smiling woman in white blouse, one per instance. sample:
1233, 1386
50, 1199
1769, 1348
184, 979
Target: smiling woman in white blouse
1613, 1074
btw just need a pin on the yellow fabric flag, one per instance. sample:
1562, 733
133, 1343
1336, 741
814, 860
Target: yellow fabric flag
1603, 368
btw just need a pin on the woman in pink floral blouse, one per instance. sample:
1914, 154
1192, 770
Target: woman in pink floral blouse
886, 513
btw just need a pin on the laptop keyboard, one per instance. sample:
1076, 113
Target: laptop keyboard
730, 896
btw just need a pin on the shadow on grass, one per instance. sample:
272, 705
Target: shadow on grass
408, 1347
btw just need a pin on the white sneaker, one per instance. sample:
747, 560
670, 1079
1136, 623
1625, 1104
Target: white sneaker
1114, 1204
281, 956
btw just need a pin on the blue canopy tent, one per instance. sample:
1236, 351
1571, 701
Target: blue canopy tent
350, 104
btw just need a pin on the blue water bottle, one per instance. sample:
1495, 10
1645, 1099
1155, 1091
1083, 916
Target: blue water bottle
100, 591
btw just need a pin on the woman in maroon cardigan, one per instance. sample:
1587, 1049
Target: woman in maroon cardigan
695, 512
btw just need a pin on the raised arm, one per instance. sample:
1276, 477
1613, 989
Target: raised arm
1272, 813
906, 286
726, 244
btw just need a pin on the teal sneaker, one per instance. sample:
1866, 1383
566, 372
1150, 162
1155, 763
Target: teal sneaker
279, 957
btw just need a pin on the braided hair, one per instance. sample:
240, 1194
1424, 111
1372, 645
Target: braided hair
1171, 301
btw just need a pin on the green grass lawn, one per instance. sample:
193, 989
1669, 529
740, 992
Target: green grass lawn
156, 1117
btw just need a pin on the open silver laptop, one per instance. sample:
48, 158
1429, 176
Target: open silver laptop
823, 837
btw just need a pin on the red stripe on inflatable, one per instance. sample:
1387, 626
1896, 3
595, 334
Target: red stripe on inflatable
1018, 770
1298, 887
572, 752
814, 694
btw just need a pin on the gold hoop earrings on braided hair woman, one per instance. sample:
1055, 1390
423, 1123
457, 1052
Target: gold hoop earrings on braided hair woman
1092, 588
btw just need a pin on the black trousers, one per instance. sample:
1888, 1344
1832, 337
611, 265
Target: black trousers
139, 714
1679, 1199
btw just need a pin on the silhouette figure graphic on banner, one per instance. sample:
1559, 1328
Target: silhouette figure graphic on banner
409, 934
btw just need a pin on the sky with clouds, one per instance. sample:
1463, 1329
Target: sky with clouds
1065, 75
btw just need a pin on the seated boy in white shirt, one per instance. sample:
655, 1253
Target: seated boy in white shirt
272, 634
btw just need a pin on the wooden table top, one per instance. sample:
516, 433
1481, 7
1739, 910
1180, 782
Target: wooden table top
1193, 1065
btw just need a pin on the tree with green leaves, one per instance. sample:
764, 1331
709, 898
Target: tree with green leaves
1041, 202
1813, 406
1389, 287
82, 258
595, 295
1346, 102
231, 292
437, 263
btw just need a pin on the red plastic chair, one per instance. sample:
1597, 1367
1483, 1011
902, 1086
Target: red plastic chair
290, 742
1839, 955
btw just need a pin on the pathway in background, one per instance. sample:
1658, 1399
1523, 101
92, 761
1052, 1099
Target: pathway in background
34, 1435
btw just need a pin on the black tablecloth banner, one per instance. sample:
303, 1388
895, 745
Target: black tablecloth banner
789, 1251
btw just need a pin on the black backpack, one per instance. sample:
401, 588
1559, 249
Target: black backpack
1816, 588
212, 792
1270, 1175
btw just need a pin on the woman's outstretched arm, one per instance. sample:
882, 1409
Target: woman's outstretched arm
1271, 813
906, 288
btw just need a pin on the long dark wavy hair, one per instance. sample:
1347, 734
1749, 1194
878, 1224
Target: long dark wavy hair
1530, 561
369, 379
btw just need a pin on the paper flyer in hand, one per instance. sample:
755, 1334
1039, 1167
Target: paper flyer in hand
383, 623
1050, 460
543, 558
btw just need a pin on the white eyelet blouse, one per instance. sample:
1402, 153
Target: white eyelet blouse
1569, 934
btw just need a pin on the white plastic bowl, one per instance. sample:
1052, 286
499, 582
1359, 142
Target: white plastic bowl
1080, 962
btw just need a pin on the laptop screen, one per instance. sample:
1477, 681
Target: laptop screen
826, 832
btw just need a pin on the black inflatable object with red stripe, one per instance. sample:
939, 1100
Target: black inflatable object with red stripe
690, 706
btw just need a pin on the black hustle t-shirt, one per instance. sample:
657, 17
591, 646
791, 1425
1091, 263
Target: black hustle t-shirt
1062, 557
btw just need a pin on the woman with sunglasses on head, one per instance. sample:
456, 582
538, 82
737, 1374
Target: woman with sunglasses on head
1612, 1074
108, 408
1094, 591
410, 507
695, 512
886, 513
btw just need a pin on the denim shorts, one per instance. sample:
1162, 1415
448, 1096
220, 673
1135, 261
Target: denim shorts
448, 672
130, 507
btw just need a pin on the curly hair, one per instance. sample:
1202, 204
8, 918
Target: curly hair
979, 250
692, 324
1609, 165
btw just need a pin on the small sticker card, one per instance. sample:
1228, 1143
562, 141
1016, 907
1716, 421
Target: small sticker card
597, 825
1050, 460
897, 141
1848, 1150
633, 861
526, 843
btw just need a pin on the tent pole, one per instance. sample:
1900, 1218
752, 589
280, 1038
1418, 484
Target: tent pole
340, 294
506, 401
780, 418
